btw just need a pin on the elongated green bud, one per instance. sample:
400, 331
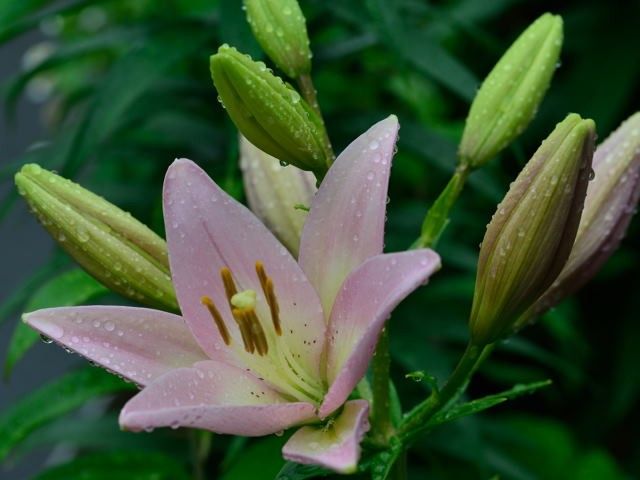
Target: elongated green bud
530, 236
510, 95
277, 195
612, 199
107, 242
268, 112
281, 30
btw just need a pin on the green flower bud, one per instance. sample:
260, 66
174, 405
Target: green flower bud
612, 199
530, 236
107, 242
280, 28
509, 97
277, 195
268, 112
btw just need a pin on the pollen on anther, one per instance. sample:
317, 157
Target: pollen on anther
229, 285
217, 318
270, 296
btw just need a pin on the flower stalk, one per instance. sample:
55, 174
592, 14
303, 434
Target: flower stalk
437, 218
416, 421
381, 425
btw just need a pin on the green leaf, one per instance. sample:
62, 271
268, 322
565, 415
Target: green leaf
259, 460
235, 30
101, 433
10, 12
71, 53
418, 48
67, 289
20, 16
52, 401
130, 78
440, 152
297, 471
478, 405
124, 465
21, 292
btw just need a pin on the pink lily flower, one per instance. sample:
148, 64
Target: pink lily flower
264, 342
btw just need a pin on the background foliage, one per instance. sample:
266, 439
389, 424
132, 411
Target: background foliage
125, 88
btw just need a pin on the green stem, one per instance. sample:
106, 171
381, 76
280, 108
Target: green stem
399, 470
382, 427
308, 91
416, 420
200, 448
438, 215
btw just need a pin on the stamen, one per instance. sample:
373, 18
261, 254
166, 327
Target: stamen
270, 296
229, 285
245, 331
217, 318
262, 275
258, 336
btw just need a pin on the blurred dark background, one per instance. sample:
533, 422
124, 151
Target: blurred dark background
109, 92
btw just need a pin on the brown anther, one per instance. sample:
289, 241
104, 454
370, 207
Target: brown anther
217, 318
229, 285
245, 330
257, 333
270, 296
262, 275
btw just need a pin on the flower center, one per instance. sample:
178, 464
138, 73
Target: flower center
265, 349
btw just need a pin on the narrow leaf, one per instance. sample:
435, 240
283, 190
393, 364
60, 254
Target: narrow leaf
21, 292
297, 471
478, 405
52, 401
124, 465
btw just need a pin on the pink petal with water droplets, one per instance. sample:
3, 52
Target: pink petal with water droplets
346, 223
364, 303
213, 396
137, 343
337, 446
208, 230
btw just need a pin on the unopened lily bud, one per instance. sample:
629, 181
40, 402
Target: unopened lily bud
509, 96
107, 242
281, 30
270, 113
279, 196
612, 198
530, 236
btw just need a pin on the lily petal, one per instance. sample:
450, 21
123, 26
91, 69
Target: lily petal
346, 223
208, 230
138, 343
363, 305
336, 446
213, 396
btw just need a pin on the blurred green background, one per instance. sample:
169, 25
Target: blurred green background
123, 87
